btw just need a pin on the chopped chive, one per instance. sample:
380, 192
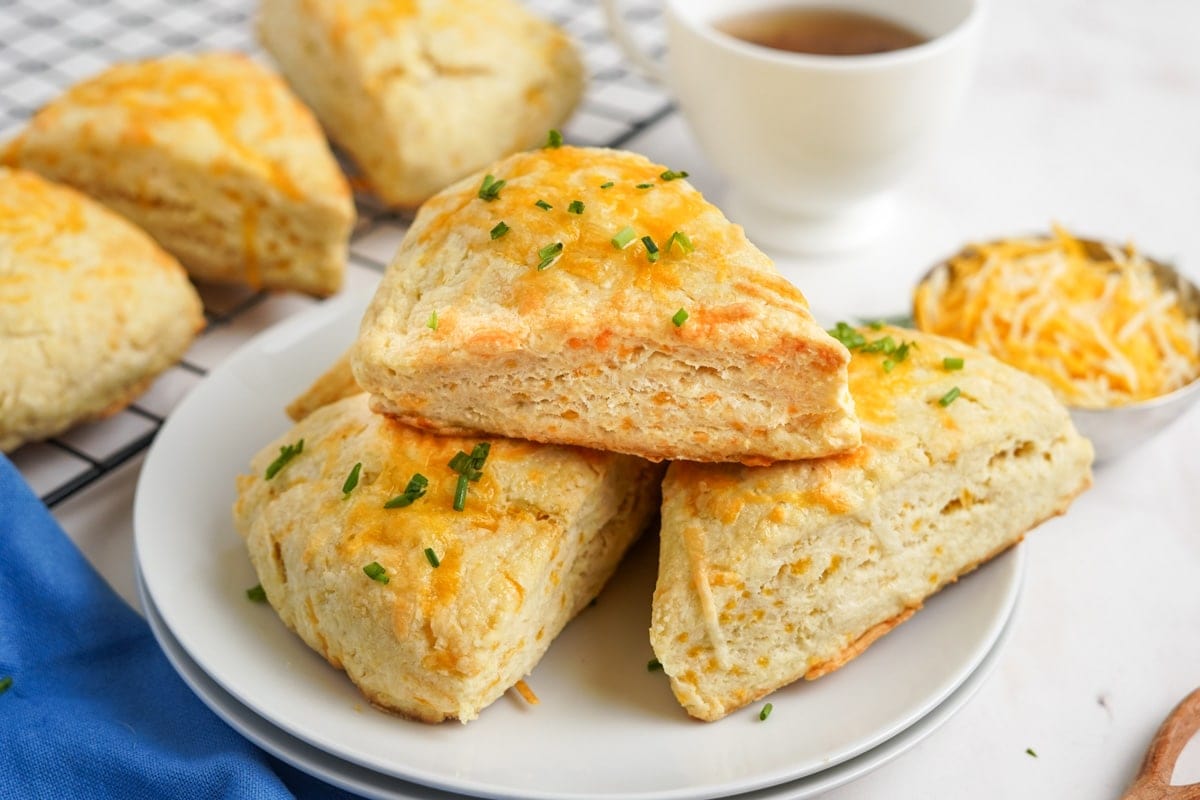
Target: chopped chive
899, 355
489, 190
607, 185
1030, 751
888, 365
624, 237
376, 572
877, 325
554, 140
651, 249
847, 335
286, 454
256, 594
415, 490
951, 364
949, 397
543, 205
885, 345
766, 712
653, 665
5, 683
645, 186
672, 175
500, 229
460, 493
469, 468
576, 207
432, 322
351, 480
680, 238
432, 557
548, 255
680, 317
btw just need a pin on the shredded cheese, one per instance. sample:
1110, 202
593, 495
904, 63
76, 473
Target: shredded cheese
526, 693
1096, 326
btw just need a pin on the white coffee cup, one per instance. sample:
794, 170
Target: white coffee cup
813, 146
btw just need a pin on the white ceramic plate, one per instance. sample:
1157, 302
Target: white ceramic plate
376, 785
606, 727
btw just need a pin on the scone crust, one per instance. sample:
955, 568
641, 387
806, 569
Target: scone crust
91, 309
775, 573
421, 93
539, 533
589, 349
214, 156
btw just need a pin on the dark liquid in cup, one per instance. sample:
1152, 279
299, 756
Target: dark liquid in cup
819, 30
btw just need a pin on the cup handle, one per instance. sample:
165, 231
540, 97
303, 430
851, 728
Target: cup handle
652, 68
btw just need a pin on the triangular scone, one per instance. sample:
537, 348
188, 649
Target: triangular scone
423, 92
91, 309
432, 612
214, 157
770, 574
597, 299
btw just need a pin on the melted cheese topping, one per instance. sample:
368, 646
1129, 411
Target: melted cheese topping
1100, 330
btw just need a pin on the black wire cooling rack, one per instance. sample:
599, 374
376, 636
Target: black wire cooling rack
47, 45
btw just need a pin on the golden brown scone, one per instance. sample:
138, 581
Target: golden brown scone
540, 532
214, 157
423, 92
332, 385
773, 573
590, 346
91, 309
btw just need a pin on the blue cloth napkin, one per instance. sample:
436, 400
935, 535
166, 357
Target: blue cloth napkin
94, 710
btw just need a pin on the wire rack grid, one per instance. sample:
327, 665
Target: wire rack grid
48, 45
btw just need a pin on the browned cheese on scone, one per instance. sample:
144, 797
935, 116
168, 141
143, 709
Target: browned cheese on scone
423, 92
774, 573
595, 298
433, 612
214, 157
91, 309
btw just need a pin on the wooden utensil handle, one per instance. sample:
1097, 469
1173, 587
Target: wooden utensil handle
1153, 781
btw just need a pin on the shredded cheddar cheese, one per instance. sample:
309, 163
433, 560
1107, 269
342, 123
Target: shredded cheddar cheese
1092, 322
526, 693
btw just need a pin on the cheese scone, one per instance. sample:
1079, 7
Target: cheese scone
591, 297
433, 612
423, 92
214, 157
91, 309
770, 574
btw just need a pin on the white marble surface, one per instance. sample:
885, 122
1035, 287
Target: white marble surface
1084, 112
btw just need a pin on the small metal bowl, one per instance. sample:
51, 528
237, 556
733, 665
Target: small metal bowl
1117, 430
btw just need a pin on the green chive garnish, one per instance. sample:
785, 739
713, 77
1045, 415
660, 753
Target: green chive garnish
680, 317
877, 325
415, 490
500, 229
624, 237
256, 594
847, 335
951, 364
766, 712
680, 238
376, 572
5, 683
1030, 751
286, 454
431, 323
548, 255
553, 140
653, 665
543, 205
576, 207
489, 190
949, 397
351, 480
651, 249
460, 493
645, 186
432, 557
885, 345
898, 355
469, 468
672, 175
607, 185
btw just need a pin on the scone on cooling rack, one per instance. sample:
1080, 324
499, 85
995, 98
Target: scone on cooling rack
591, 297
434, 570
91, 309
770, 574
421, 93
214, 157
